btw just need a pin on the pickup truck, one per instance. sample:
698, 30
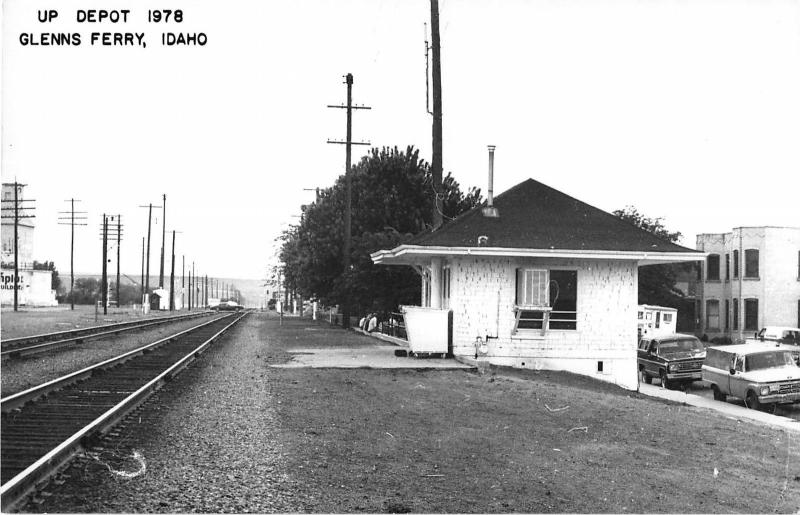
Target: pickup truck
674, 359
759, 373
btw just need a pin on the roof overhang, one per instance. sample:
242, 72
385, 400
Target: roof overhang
417, 254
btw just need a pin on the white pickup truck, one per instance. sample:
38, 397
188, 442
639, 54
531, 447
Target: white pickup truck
758, 373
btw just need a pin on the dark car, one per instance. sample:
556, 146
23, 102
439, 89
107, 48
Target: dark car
674, 359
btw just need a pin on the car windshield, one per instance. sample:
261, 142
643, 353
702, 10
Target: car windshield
682, 345
772, 359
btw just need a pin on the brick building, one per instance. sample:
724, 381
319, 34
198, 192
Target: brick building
539, 280
750, 279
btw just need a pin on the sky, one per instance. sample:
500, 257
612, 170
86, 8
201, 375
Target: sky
688, 111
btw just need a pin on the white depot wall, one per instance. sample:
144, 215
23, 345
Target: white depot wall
483, 296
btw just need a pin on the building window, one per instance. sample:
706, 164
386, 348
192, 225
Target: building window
751, 263
546, 299
727, 267
735, 264
667, 318
727, 314
735, 314
751, 314
712, 267
712, 315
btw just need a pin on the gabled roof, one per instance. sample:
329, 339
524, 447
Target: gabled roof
536, 217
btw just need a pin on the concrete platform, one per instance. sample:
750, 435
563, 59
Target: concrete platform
377, 356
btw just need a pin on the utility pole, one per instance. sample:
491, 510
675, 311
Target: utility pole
163, 236
183, 281
19, 212
104, 280
189, 273
172, 276
206, 292
436, 161
112, 230
348, 187
63, 221
146, 296
142, 283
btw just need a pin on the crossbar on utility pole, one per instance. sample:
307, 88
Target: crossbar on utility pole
348, 187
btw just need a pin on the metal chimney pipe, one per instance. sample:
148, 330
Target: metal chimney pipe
490, 201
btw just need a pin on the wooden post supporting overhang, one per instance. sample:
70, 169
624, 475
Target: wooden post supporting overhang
436, 283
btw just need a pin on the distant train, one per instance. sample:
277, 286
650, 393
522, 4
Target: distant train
228, 305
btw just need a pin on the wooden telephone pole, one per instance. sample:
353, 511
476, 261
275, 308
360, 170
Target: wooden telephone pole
73, 221
348, 187
436, 161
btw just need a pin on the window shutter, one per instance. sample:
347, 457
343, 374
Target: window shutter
519, 286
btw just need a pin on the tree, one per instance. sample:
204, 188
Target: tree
656, 282
86, 291
390, 204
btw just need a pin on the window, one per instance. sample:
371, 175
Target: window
712, 315
554, 292
712, 267
735, 264
667, 318
727, 314
727, 267
750, 314
735, 314
751, 263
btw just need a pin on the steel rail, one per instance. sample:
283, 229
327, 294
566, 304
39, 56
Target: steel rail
24, 482
17, 400
19, 347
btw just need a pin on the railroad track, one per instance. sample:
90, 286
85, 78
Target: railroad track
19, 347
45, 426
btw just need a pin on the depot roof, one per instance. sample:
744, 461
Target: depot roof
536, 220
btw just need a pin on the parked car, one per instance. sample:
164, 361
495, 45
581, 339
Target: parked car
674, 359
759, 373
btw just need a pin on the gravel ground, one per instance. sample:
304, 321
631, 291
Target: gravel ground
207, 446
234, 434
20, 374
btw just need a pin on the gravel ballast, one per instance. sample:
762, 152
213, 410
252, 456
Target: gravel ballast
208, 441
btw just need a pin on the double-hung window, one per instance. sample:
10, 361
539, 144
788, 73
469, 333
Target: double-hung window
546, 299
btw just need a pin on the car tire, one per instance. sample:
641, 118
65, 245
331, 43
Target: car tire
665, 383
645, 377
751, 400
718, 395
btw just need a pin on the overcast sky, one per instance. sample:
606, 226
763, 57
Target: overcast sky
689, 111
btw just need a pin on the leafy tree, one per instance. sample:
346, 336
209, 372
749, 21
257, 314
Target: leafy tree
85, 291
656, 282
391, 202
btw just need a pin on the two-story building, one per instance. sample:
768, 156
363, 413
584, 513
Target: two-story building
750, 279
